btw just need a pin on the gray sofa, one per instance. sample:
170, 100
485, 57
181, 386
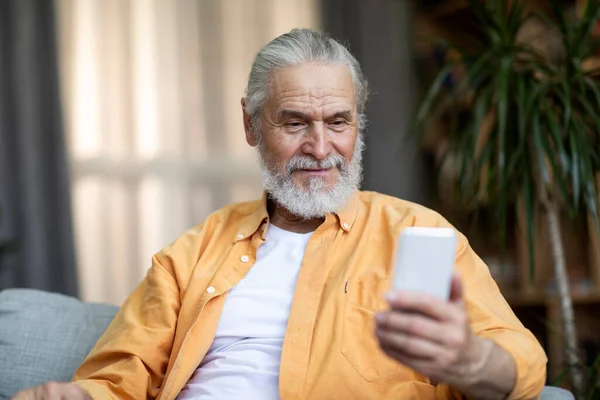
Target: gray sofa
45, 336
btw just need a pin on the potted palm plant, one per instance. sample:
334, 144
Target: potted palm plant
529, 128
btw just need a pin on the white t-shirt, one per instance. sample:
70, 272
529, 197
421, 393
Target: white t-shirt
243, 360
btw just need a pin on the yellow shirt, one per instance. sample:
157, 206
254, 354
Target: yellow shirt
166, 326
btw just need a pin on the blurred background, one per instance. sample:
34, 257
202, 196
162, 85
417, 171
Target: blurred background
120, 128
121, 124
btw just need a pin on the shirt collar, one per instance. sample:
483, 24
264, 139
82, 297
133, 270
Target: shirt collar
258, 217
347, 215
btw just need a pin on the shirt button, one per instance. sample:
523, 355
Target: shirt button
210, 290
345, 225
245, 259
239, 236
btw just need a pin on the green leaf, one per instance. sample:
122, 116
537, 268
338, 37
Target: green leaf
477, 71
539, 150
521, 104
516, 18
529, 201
588, 178
487, 20
586, 25
592, 85
503, 98
521, 100
566, 96
480, 11
485, 160
560, 167
591, 111
532, 61
554, 128
557, 9
468, 145
539, 91
575, 172
432, 93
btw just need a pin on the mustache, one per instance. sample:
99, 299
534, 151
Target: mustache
308, 162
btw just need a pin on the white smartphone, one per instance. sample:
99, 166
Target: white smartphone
425, 260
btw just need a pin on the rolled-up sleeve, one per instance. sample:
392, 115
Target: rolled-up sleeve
491, 317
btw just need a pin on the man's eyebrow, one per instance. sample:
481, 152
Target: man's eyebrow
345, 114
291, 114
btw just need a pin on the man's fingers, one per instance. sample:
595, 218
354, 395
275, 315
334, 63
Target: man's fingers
421, 365
423, 303
412, 324
35, 393
53, 391
410, 345
417, 302
23, 395
75, 392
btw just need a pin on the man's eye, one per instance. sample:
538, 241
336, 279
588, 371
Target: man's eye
295, 124
338, 122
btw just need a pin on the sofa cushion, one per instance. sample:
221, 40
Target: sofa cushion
45, 336
554, 393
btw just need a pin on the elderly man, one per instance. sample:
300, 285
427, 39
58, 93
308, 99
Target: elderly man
285, 297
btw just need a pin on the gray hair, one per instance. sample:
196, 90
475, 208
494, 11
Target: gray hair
297, 47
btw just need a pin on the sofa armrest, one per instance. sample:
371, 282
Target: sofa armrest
45, 336
555, 393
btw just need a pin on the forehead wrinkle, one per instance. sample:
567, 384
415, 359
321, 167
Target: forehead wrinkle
317, 96
313, 93
309, 100
316, 112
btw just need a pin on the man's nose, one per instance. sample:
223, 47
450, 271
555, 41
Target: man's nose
317, 144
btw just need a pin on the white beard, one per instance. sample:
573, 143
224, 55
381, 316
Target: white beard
316, 201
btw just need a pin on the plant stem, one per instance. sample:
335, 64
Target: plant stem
566, 305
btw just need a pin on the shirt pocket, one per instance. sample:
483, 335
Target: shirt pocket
364, 298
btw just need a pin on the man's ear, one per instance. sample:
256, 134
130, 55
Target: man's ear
251, 136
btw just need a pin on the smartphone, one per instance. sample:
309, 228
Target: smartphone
425, 260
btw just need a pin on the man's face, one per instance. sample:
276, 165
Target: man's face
310, 146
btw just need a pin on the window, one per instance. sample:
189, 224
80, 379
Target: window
151, 93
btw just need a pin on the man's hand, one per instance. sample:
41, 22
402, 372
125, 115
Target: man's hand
53, 391
429, 335
434, 338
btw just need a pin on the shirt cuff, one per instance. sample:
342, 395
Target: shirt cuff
530, 361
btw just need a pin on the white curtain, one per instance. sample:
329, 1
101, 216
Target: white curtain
151, 92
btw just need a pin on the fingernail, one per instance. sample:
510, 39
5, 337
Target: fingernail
390, 296
380, 317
